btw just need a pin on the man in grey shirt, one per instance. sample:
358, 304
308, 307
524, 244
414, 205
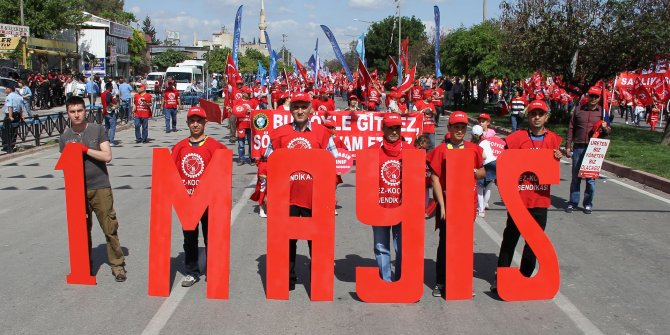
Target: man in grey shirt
97, 153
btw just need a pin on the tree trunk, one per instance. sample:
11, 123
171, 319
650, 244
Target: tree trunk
666, 134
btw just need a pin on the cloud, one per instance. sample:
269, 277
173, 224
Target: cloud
284, 9
135, 10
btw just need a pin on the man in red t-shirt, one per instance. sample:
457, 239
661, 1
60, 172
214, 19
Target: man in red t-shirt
242, 110
142, 110
191, 156
390, 187
416, 92
300, 134
535, 196
323, 102
436, 159
426, 107
170, 104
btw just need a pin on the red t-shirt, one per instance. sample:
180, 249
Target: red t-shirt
143, 105
242, 111
191, 160
436, 159
437, 95
171, 97
320, 105
103, 97
374, 96
390, 173
428, 120
286, 137
415, 93
533, 194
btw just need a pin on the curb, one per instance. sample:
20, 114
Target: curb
644, 178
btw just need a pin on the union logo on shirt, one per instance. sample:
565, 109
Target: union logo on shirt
192, 165
390, 172
299, 143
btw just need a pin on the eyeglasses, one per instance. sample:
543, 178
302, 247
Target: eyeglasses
593, 96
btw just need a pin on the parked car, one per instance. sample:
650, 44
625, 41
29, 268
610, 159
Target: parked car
5, 82
152, 79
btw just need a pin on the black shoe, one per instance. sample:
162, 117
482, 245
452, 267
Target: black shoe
251, 161
240, 162
291, 286
438, 290
587, 210
569, 209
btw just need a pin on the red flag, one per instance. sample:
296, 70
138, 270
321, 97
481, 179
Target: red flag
642, 94
366, 80
301, 69
408, 81
232, 75
536, 79
404, 54
392, 71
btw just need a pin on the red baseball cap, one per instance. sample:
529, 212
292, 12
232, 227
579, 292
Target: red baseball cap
196, 111
595, 90
353, 97
239, 81
484, 116
538, 104
246, 89
392, 119
140, 85
427, 94
458, 117
300, 97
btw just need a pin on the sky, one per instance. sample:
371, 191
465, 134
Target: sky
300, 20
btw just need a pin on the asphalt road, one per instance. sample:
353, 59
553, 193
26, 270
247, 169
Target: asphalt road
614, 264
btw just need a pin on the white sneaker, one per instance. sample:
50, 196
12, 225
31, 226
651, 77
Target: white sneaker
261, 212
482, 214
188, 281
336, 212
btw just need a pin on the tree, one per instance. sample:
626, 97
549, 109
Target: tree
217, 59
148, 28
110, 9
44, 16
248, 62
137, 48
475, 52
168, 58
381, 40
610, 35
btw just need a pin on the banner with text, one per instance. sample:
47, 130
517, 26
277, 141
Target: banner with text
594, 157
359, 130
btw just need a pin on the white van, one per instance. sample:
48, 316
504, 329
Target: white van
152, 79
183, 76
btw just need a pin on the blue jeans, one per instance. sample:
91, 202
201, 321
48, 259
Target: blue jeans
241, 141
383, 250
125, 109
144, 123
576, 183
110, 125
516, 121
170, 113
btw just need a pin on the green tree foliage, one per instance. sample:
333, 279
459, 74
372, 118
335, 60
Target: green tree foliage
168, 58
610, 35
475, 52
137, 47
148, 28
216, 60
44, 16
249, 63
381, 41
110, 9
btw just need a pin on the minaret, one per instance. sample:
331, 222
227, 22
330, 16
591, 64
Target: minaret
261, 24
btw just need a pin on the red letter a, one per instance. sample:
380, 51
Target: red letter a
409, 288
320, 228
213, 194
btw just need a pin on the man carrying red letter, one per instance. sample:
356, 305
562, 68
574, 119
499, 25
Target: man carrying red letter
191, 156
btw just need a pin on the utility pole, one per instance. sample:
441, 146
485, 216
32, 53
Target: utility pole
285, 55
21, 6
484, 11
399, 30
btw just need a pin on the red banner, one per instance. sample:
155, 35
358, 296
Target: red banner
358, 131
213, 111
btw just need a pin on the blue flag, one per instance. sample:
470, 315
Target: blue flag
317, 66
261, 73
338, 52
360, 48
438, 73
400, 77
236, 35
273, 64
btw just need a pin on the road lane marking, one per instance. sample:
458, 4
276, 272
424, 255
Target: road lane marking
169, 306
580, 320
657, 197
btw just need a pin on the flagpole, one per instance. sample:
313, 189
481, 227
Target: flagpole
609, 109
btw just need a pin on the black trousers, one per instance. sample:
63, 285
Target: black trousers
511, 237
440, 261
191, 247
9, 133
293, 244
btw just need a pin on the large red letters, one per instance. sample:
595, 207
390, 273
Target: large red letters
512, 285
213, 194
71, 162
409, 288
320, 228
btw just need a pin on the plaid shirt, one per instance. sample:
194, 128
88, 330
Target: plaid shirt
331, 144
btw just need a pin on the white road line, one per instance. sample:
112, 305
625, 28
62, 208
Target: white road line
580, 320
657, 197
169, 306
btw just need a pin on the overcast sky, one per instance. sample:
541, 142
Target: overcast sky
300, 20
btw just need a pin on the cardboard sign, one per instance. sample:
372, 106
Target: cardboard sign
359, 130
344, 161
594, 157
